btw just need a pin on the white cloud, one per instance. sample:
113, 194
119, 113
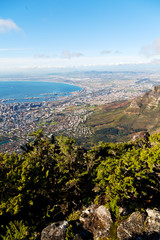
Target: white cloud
12, 49
4, 49
41, 56
117, 52
69, 55
13, 64
7, 25
152, 49
105, 52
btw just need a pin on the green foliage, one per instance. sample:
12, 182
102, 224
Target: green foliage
47, 181
53, 179
74, 216
69, 233
155, 138
113, 232
134, 176
16, 230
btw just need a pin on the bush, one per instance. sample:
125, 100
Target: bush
16, 230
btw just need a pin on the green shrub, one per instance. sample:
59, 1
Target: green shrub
16, 230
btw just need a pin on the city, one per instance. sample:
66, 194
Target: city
67, 115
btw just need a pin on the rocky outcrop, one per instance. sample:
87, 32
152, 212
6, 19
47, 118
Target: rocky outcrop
140, 226
96, 223
141, 139
150, 100
131, 227
134, 107
55, 231
152, 223
97, 220
58, 231
141, 135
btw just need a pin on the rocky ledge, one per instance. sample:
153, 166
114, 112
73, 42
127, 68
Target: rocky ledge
96, 223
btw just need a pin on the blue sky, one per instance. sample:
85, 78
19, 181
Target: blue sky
48, 34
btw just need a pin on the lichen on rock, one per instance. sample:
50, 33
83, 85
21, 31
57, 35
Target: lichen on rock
132, 226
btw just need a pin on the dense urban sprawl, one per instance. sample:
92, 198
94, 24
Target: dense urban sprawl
68, 114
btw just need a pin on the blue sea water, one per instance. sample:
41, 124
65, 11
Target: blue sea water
23, 91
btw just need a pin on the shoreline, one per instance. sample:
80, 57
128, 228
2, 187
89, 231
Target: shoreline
41, 96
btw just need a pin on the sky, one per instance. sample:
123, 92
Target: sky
61, 34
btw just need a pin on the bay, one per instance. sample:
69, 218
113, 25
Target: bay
28, 91
7, 141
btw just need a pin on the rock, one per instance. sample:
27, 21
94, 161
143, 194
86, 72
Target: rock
152, 223
97, 220
134, 107
87, 212
141, 139
123, 211
79, 232
95, 223
55, 231
150, 100
131, 227
141, 135
139, 228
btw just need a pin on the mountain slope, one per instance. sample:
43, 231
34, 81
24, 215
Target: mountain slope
119, 121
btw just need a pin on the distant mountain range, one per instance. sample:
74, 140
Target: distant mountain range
118, 121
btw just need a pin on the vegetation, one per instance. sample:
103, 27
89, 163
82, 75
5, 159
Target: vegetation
53, 180
113, 123
118, 121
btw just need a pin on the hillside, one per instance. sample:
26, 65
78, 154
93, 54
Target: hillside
53, 180
120, 120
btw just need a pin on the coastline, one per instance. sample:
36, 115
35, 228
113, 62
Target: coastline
35, 91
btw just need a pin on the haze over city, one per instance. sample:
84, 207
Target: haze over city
61, 34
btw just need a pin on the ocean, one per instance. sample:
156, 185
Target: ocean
23, 91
